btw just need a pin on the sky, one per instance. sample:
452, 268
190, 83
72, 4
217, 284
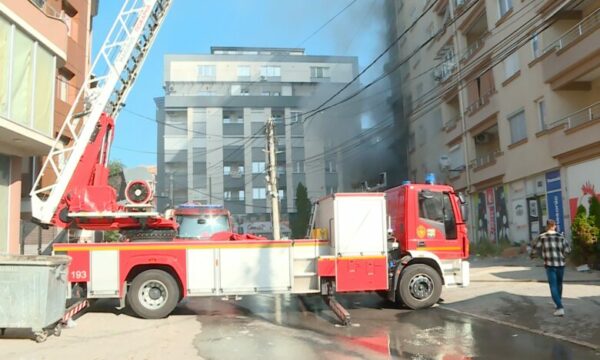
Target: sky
193, 26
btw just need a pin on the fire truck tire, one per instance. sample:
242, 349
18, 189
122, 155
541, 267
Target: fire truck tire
420, 286
153, 294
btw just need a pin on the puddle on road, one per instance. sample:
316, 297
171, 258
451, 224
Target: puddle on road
304, 329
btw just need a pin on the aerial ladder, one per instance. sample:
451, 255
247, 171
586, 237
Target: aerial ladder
72, 187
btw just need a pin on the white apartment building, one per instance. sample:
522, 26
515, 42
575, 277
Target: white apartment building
211, 122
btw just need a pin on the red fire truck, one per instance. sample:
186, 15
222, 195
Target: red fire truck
406, 243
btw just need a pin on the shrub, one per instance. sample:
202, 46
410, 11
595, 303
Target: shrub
585, 236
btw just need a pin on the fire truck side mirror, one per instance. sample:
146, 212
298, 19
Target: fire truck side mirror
464, 211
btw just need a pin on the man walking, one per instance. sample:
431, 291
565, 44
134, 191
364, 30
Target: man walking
554, 249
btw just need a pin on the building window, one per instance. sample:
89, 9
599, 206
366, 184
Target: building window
235, 171
518, 128
63, 87
330, 166
258, 167
536, 46
511, 65
331, 189
319, 72
243, 71
541, 110
296, 117
259, 193
281, 194
241, 195
270, 71
227, 195
504, 6
205, 71
265, 93
27, 79
299, 167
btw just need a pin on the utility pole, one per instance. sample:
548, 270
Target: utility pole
272, 177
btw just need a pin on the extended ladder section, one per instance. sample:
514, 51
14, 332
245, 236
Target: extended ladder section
112, 76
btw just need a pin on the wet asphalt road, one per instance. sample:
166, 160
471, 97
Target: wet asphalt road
291, 327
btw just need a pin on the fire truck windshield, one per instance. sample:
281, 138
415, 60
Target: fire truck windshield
201, 226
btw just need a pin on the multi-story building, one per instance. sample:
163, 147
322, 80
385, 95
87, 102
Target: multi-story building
503, 102
211, 136
44, 57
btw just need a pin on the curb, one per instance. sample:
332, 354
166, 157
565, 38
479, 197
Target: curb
524, 328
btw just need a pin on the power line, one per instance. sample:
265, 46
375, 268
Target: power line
396, 66
378, 57
326, 23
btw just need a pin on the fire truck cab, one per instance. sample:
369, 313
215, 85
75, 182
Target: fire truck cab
199, 222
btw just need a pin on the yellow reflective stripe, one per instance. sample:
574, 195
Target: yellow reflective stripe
176, 247
440, 248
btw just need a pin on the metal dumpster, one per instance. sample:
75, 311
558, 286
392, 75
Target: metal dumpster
33, 292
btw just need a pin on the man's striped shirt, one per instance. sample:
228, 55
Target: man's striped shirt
554, 248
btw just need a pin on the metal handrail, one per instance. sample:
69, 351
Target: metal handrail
474, 47
583, 27
47, 9
579, 117
486, 159
481, 101
451, 123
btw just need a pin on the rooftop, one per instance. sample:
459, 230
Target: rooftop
236, 50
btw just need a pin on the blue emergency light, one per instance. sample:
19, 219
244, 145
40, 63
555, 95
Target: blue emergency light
430, 179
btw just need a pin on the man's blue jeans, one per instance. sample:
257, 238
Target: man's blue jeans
555, 280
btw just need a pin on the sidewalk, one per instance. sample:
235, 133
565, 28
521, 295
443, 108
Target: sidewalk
515, 292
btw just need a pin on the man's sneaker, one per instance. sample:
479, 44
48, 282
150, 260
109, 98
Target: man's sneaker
559, 312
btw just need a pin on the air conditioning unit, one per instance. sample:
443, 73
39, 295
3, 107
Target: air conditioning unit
482, 138
444, 162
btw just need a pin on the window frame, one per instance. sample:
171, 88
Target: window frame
513, 116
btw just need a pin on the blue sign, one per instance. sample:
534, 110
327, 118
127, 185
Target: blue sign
554, 198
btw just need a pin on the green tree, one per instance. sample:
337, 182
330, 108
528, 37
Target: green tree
303, 209
115, 176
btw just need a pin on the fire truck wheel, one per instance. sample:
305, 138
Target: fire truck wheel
420, 286
153, 294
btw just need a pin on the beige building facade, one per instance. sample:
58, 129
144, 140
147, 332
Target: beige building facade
503, 102
44, 57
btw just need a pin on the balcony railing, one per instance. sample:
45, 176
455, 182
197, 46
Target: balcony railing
48, 9
474, 47
481, 102
485, 159
588, 24
443, 71
579, 117
451, 123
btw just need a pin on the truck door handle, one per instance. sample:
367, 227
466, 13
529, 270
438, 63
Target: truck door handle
421, 244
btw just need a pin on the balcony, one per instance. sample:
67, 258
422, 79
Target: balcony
474, 47
48, 20
453, 129
576, 134
481, 109
487, 167
573, 55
